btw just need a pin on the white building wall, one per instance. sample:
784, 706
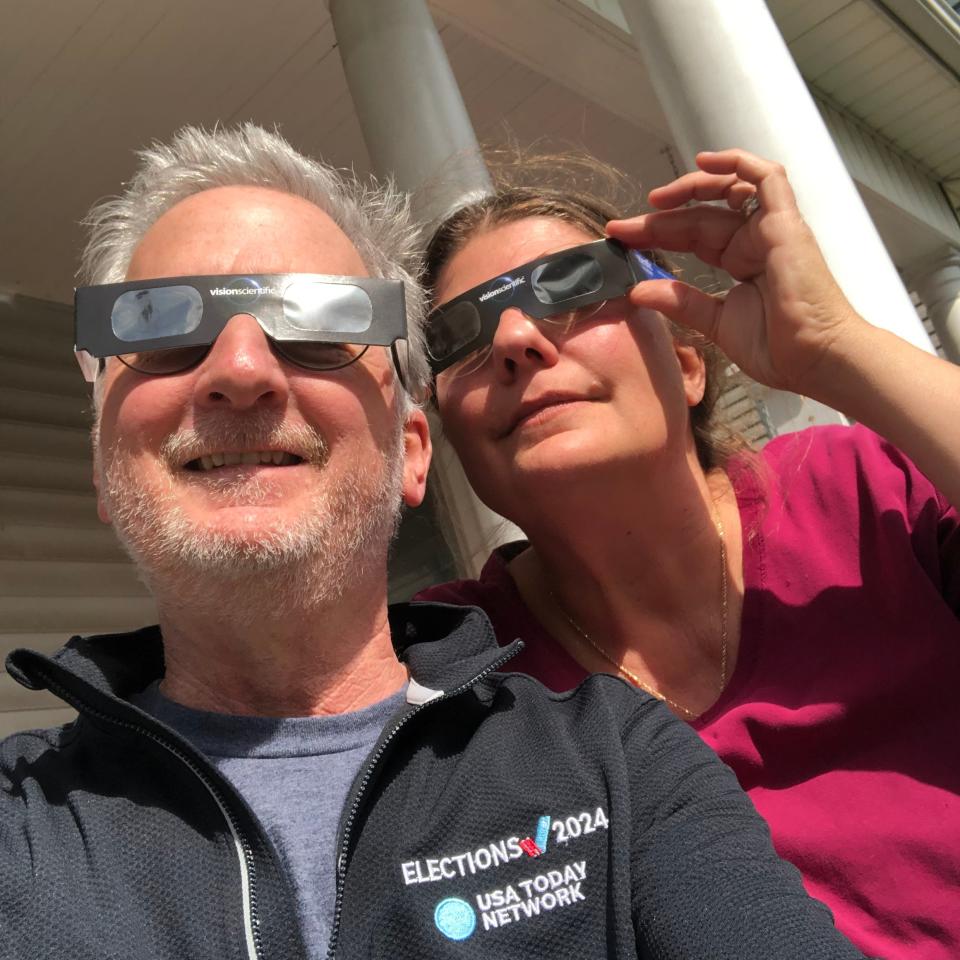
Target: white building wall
877, 165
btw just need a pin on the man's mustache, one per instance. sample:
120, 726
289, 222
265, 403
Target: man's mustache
258, 431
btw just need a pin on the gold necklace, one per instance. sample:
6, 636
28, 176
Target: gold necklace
629, 674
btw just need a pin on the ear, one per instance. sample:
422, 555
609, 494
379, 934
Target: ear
417, 450
693, 369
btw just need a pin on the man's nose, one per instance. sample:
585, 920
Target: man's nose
521, 342
241, 371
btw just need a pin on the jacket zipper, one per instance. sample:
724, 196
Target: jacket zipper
248, 886
365, 781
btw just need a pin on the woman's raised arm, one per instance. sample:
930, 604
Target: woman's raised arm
786, 323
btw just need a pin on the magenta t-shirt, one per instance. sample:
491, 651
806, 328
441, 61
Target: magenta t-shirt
842, 717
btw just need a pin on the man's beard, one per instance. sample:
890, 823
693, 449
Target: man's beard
305, 560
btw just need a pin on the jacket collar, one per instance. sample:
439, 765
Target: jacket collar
444, 646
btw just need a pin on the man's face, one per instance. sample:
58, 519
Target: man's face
324, 457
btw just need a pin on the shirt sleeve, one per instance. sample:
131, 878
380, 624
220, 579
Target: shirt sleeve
706, 881
891, 480
856, 483
948, 550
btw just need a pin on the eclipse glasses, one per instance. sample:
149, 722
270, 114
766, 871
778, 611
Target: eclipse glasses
314, 321
560, 284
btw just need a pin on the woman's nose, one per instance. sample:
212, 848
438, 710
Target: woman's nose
241, 371
520, 342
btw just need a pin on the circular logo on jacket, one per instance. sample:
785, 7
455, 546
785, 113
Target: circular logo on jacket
455, 918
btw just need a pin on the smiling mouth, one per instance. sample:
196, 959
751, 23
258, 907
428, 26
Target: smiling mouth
249, 458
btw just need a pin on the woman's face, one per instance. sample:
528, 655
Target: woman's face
550, 399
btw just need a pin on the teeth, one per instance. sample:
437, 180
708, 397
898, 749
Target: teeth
279, 458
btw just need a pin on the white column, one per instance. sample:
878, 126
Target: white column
937, 283
725, 78
409, 106
417, 130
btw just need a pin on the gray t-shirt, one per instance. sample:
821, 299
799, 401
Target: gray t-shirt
295, 774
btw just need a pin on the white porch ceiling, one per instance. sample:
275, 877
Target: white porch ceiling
859, 56
85, 82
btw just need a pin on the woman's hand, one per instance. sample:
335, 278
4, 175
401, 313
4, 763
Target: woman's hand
786, 323
786, 312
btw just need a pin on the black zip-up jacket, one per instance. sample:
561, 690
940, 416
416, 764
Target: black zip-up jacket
493, 819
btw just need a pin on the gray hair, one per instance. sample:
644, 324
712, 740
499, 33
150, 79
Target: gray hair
374, 216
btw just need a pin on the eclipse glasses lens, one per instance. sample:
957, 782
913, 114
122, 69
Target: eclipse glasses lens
566, 287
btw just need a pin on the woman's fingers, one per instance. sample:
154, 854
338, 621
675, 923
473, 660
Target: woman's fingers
739, 193
732, 176
707, 232
769, 178
778, 322
686, 229
680, 302
744, 164
693, 186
